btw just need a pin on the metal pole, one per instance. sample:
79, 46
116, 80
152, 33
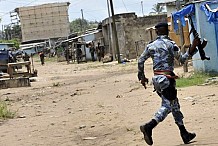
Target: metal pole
142, 8
115, 32
82, 26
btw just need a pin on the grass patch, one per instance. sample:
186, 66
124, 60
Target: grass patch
5, 113
51, 59
36, 58
195, 79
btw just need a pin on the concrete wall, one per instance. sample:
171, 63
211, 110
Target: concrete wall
132, 29
44, 21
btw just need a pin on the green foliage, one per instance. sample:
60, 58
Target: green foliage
5, 113
195, 79
12, 32
157, 8
79, 25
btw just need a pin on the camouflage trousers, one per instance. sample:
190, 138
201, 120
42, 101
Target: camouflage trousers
167, 106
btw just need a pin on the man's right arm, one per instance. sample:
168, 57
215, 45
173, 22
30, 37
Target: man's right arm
141, 60
141, 75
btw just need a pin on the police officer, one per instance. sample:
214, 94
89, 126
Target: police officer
163, 51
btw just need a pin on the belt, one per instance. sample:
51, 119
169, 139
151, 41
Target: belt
166, 73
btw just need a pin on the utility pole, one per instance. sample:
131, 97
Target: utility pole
110, 37
182, 42
142, 8
3, 35
115, 32
82, 27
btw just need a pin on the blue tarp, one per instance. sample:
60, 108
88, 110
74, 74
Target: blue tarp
211, 15
180, 15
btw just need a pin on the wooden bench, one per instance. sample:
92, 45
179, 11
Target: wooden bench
12, 66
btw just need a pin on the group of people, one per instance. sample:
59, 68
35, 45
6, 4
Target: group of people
26, 57
99, 50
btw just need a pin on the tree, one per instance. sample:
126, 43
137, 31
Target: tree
80, 25
157, 9
16, 29
12, 32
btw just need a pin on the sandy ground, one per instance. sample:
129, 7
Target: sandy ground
102, 105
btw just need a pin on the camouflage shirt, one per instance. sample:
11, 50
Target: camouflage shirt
162, 51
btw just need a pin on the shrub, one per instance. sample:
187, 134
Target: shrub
5, 113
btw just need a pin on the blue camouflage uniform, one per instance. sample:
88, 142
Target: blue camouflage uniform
163, 51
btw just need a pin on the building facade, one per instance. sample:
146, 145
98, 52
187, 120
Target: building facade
208, 31
45, 21
205, 29
132, 33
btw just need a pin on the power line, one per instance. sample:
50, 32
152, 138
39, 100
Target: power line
90, 15
102, 11
124, 5
23, 6
78, 2
87, 10
15, 2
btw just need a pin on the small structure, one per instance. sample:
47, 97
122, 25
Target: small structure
131, 31
10, 72
204, 16
208, 30
28, 73
76, 48
45, 21
95, 36
33, 48
71, 50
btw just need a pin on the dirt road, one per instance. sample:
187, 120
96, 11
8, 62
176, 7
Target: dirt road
102, 105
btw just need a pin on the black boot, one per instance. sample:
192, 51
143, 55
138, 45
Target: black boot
147, 131
186, 136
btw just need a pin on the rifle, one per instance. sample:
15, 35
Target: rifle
201, 45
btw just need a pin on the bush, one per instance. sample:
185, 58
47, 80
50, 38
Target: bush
5, 113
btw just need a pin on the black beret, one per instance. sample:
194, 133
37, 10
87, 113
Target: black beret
162, 24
